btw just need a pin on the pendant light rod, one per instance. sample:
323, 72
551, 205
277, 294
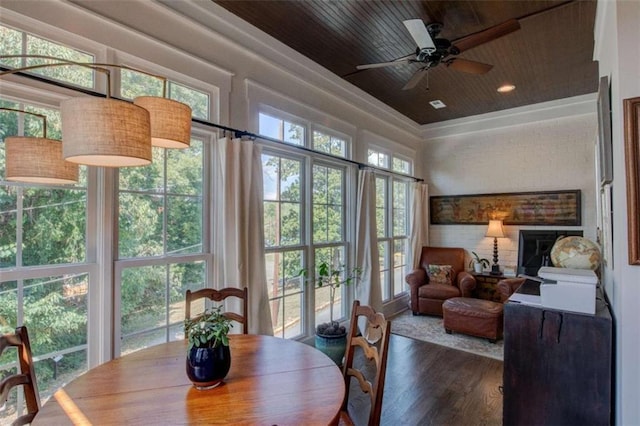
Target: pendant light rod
101, 66
206, 123
62, 62
35, 114
170, 120
98, 132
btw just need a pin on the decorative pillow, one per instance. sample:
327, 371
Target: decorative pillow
440, 274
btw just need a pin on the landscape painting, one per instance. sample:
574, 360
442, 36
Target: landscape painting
561, 208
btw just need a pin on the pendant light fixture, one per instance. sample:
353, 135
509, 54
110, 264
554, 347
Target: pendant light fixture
105, 132
37, 160
170, 120
114, 133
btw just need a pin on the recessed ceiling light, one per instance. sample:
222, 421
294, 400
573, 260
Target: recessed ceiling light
505, 88
437, 104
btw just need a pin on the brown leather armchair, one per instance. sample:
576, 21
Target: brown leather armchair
506, 287
427, 298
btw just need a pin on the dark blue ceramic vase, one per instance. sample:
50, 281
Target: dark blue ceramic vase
206, 367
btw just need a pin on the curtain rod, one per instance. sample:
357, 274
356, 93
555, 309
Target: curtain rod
238, 133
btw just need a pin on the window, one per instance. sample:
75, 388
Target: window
291, 244
392, 217
281, 129
49, 257
283, 229
139, 84
382, 223
160, 217
330, 144
401, 166
329, 233
400, 234
16, 42
161, 226
42, 233
395, 163
377, 159
392, 200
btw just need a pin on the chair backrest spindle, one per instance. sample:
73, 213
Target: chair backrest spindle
374, 344
219, 296
26, 376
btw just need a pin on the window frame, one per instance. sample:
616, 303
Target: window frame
165, 259
311, 158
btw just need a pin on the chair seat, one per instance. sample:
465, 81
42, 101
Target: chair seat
438, 291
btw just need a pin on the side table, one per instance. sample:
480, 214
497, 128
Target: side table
486, 287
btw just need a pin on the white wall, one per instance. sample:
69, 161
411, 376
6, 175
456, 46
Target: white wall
618, 52
543, 154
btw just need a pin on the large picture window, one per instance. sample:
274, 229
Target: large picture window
392, 220
160, 224
297, 237
43, 236
329, 233
283, 229
162, 217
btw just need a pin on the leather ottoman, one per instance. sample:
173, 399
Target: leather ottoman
476, 317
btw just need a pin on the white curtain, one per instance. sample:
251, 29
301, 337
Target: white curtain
420, 221
239, 245
368, 289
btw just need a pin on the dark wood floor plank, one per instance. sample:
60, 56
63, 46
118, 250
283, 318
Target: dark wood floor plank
429, 384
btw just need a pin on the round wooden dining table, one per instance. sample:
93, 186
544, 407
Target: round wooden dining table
272, 381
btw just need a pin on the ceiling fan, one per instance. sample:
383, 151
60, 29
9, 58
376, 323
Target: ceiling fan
432, 50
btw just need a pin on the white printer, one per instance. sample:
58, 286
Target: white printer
568, 289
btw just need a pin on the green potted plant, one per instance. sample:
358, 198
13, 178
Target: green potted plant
208, 354
478, 263
331, 337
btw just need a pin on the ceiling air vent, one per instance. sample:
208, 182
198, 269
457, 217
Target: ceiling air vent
437, 104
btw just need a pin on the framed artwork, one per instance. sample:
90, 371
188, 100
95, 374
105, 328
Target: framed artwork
632, 167
553, 208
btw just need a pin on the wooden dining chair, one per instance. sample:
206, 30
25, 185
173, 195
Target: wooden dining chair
26, 376
372, 365
219, 296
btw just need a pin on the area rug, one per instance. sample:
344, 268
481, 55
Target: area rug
430, 329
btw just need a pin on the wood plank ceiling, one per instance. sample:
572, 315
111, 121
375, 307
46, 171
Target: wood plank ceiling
549, 57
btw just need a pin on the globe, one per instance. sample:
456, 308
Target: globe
575, 252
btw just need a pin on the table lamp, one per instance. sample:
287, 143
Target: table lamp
496, 231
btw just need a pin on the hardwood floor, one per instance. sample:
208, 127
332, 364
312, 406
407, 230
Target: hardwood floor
428, 384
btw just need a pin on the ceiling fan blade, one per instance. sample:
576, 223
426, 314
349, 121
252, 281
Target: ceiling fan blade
465, 65
383, 64
416, 78
487, 35
420, 34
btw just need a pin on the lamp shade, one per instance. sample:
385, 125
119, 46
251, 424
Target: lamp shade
495, 229
37, 160
105, 132
170, 121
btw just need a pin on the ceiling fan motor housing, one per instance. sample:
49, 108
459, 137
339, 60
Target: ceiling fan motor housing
434, 56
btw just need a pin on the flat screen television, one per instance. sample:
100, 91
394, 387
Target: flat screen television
534, 248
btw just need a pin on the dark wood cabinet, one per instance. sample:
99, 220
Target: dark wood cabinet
557, 366
486, 286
